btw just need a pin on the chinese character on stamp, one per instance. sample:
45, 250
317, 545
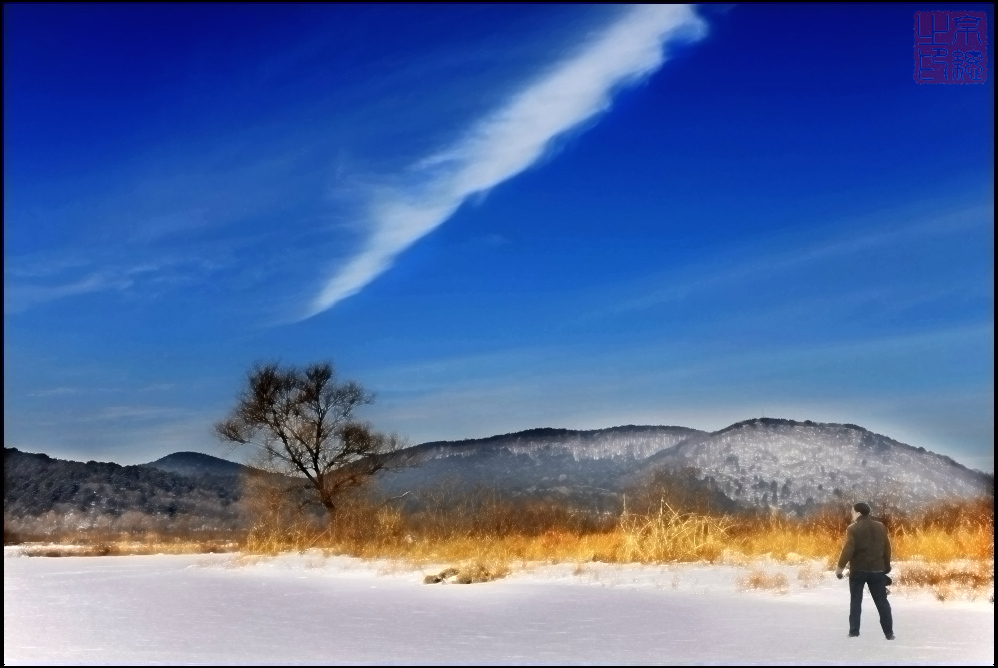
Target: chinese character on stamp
951, 47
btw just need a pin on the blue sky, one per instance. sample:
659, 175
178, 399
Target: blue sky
494, 217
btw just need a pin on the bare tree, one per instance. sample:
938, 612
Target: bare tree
302, 420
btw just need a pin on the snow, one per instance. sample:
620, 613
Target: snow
613, 443
786, 464
763, 463
294, 609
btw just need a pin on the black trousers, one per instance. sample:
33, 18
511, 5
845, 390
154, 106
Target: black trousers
877, 583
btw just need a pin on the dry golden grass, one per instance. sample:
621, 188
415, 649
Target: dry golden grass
487, 534
504, 534
937, 544
759, 579
494, 537
786, 543
513, 533
670, 535
120, 548
957, 579
469, 573
808, 576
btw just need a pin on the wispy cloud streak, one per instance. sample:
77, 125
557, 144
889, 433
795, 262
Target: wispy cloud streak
512, 139
17, 298
31, 281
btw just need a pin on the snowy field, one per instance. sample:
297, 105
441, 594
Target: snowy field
228, 609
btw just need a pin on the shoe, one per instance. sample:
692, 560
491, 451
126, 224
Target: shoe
854, 634
890, 637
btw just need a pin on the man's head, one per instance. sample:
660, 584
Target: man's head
860, 510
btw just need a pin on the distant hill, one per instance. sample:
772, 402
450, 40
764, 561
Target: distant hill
792, 465
198, 464
761, 463
36, 485
583, 467
628, 442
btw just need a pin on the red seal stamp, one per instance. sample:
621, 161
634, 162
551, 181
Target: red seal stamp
951, 47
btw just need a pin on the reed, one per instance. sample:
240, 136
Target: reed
946, 546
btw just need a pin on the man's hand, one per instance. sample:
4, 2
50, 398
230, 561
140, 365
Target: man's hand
838, 573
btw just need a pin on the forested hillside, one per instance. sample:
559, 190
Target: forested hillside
42, 491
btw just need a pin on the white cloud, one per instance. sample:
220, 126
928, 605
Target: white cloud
56, 392
30, 281
19, 297
783, 253
512, 139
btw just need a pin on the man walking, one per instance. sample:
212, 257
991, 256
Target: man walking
868, 553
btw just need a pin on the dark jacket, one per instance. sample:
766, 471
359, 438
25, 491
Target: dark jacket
867, 546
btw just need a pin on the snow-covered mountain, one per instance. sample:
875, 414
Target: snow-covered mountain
628, 442
583, 465
793, 465
756, 463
